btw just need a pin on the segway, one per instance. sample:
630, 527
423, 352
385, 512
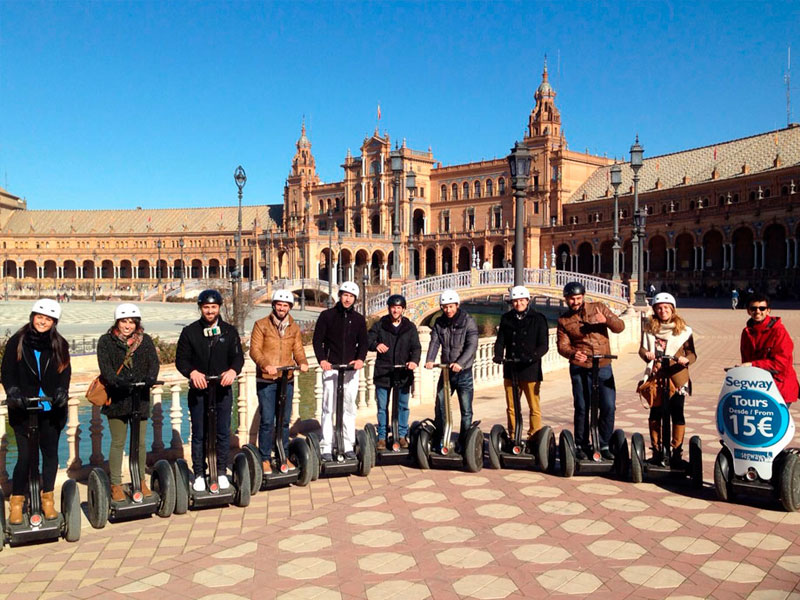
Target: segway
161, 502
756, 428
538, 450
239, 491
618, 444
394, 453
662, 466
280, 475
35, 527
339, 463
445, 456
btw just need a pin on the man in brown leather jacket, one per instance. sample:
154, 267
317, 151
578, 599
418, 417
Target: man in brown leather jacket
275, 342
583, 331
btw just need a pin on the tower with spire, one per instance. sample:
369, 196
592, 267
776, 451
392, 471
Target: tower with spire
302, 177
544, 120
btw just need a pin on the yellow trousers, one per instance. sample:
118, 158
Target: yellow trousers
531, 391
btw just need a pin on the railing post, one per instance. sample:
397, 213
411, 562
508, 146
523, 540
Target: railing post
158, 422
295, 399
96, 437
176, 418
73, 434
241, 407
362, 386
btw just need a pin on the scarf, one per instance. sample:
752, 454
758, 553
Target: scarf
280, 324
38, 341
666, 331
132, 342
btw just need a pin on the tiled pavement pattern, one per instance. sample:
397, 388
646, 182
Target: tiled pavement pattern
404, 533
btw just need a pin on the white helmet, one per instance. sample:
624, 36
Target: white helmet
126, 310
449, 297
47, 307
349, 287
283, 296
664, 298
520, 291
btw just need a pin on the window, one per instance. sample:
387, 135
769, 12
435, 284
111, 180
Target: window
536, 208
470, 219
752, 195
443, 193
497, 217
422, 192
501, 186
784, 191
490, 186
649, 210
465, 187
445, 220
454, 191
358, 196
767, 193
477, 189
536, 183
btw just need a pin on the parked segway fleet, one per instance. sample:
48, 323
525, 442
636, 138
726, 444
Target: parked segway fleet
618, 445
362, 459
213, 495
161, 501
756, 428
663, 465
539, 450
35, 527
393, 453
470, 457
300, 455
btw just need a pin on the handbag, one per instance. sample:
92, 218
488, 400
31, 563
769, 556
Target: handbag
649, 392
97, 392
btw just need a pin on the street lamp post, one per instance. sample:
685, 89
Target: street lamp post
397, 170
564, 257
301, 266
94, 278
339, 269
616, 180
519, 163
364, 281
240, 178
330, 257
5, 274
180, 244
637, 152
411, 186
158, 264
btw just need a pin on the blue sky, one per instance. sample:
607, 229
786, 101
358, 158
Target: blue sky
118, 105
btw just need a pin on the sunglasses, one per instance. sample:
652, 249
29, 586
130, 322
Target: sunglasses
757, 308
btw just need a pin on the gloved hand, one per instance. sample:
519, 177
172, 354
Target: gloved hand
14, 398
60, 398
150, 381
498, 360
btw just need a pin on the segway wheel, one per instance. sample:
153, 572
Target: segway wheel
254, 463
300, 455
619, 448
413, 433
473, 450
182, 482
2, 520
495, 445
313, 445
566, 454
637, 458
422, 448
71, 510
545, 448
696, 461
163, 481
369, 428
241, 480
790, 482
98, 495
365, 451
722, 476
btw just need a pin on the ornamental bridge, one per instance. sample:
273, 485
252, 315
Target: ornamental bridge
423, 295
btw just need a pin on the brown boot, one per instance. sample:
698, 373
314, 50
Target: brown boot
678, 433
655, 439
146, 490
117, 493
15, 512
381, 446
49, 505
266, 466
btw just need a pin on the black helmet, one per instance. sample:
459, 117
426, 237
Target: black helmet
396, 300
209, 297
574, 288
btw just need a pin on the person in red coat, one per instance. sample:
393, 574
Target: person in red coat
767, 345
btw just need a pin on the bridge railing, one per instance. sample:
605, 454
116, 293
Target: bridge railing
598, 286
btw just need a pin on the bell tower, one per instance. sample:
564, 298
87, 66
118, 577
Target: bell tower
302, 177
544, 120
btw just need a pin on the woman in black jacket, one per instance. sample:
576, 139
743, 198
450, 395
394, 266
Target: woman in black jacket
523, 338
126, 355
36, 363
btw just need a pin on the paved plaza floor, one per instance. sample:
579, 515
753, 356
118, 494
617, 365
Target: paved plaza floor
411, 534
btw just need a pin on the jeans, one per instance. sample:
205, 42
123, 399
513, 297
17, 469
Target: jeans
582, 395
384, 421
197, 408
268, 402
461, 383
119, 431
48, 446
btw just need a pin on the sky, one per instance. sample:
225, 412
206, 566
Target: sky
154, 104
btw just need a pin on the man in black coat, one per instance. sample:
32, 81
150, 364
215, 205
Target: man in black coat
340, 337
522, 338
396, 341
210, 347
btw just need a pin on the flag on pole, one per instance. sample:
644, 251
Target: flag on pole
715, 153
379, 111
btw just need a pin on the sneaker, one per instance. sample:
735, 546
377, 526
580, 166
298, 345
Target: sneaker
224, 484
199, 484
350, 455
580, 454
290, 464
381, 445
266, 466
605, 453
327, 457
404, 443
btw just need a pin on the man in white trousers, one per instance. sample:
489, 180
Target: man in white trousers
340, 337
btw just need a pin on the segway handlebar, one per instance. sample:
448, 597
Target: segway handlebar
345, 367
604, 356
399, 367
213, 377
34, 402
144, 383
441, 365
516, 361
291, 368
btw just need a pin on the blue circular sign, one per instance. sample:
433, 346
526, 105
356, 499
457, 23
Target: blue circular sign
752, 418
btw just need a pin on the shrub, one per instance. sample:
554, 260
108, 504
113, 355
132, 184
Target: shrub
166, 350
